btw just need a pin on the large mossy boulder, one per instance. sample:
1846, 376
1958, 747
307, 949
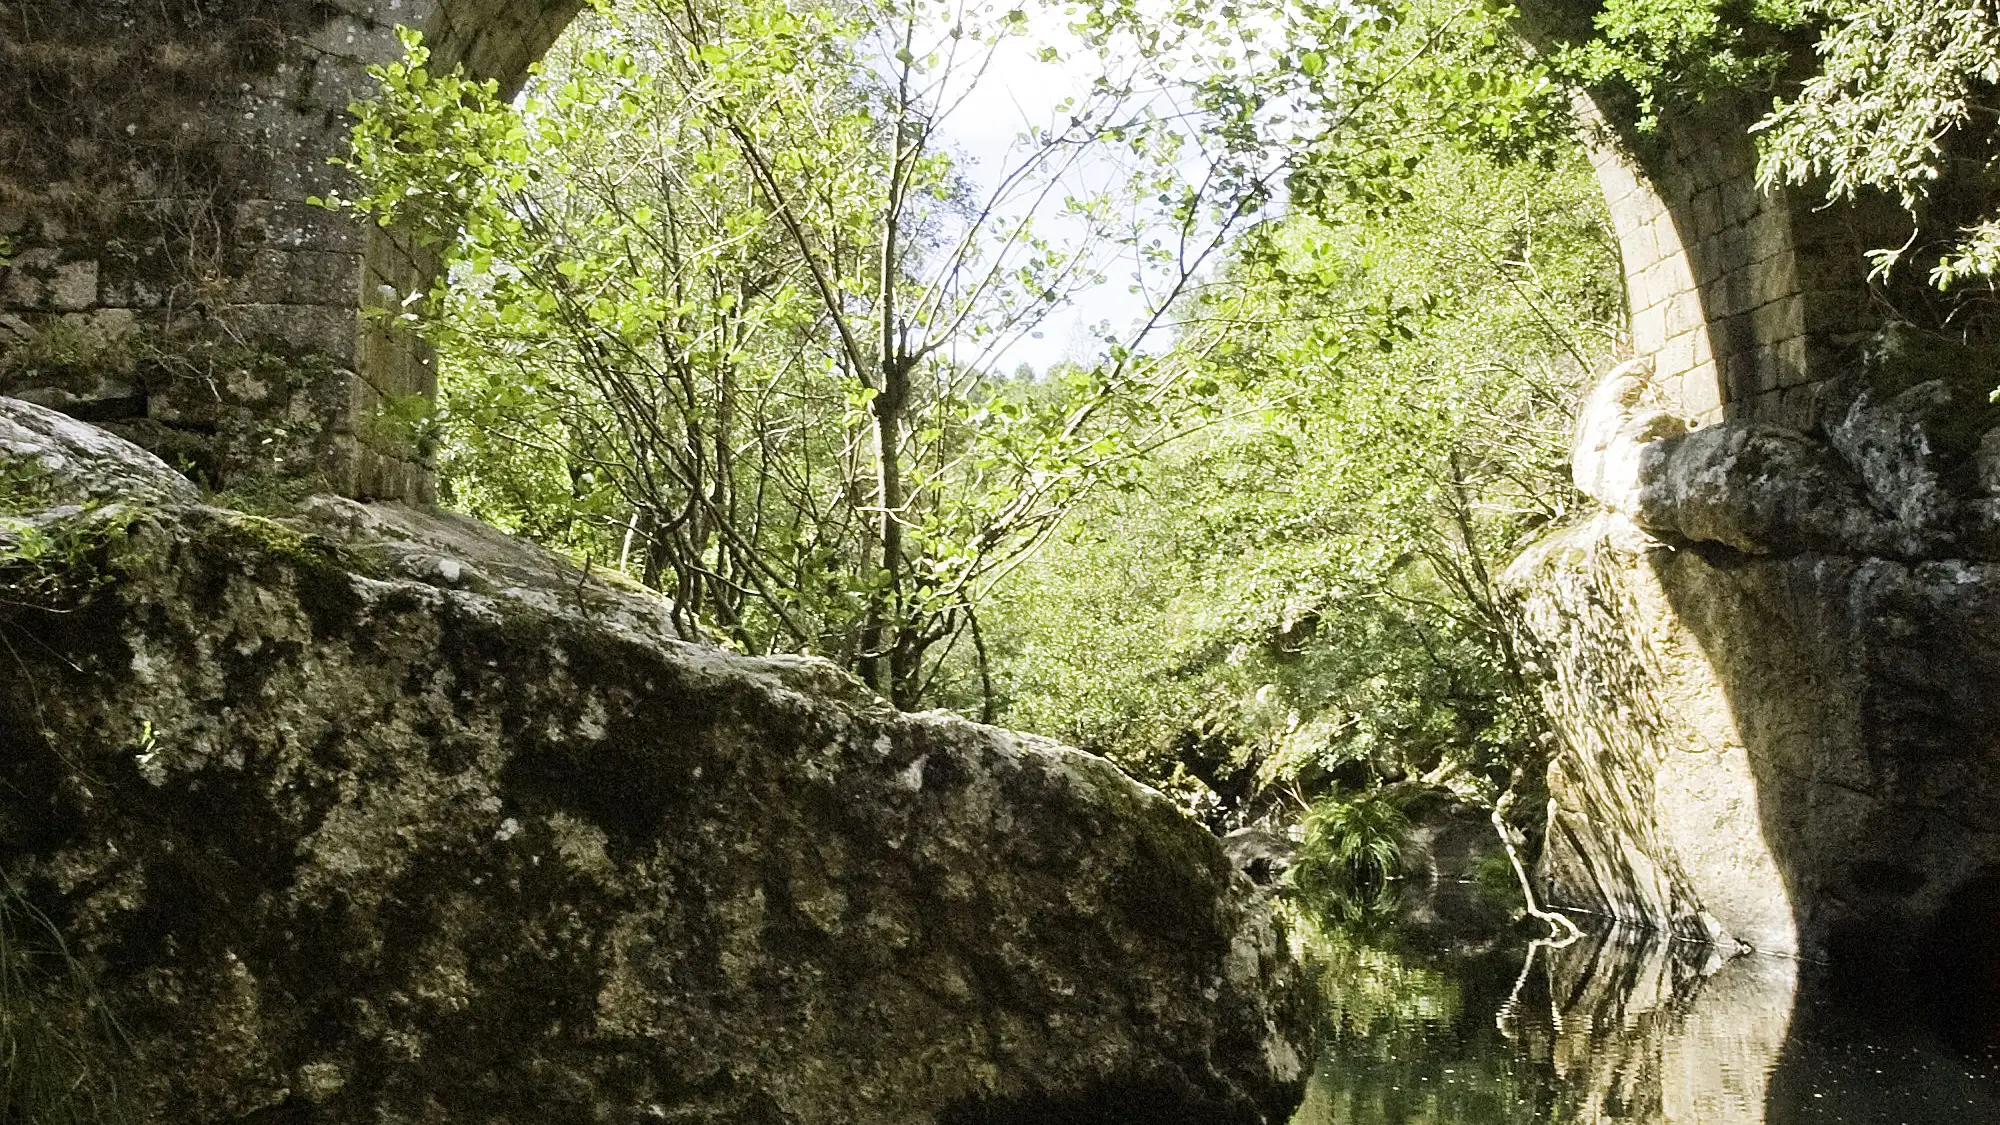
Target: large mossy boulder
374, 815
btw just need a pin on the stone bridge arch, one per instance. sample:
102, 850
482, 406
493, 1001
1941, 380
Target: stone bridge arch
163, 273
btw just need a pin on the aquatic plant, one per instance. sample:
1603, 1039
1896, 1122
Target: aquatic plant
1353, 846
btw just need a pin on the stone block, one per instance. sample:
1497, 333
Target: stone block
300, 277
297, 167
362, 40
1778, 408
1684, 313
1793, 354
1701, 396
1639, 245
105, 327
392, 364
1631, 210
1780, 319
1739, 200
1769, 247
1770, 281
1676, 356
1713, 257
1661, 281
1649, 326
45, 279
393, 262
320, 91
1732, 335
1739, 377
1767, 377
294, 224
141, 281
1706, 213
1733, 293
323, 330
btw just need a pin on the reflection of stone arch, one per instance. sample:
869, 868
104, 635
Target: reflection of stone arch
155, 160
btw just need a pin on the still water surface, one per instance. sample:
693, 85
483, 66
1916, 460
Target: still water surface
1641, 1032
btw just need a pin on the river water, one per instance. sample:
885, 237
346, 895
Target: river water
1631, 1031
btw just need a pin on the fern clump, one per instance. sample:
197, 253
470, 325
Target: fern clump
1353, 847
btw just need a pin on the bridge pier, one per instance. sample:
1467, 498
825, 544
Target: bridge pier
162, 272
1770, 647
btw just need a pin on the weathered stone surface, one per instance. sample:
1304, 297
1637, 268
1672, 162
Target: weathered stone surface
1764, 489
156, 159
1775, 662
56, 460
1261, 853
1638, 830
374, 816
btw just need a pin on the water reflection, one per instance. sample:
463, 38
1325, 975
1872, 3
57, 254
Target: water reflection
1639, 1032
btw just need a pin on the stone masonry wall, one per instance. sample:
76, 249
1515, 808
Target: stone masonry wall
1744, 300
160, 269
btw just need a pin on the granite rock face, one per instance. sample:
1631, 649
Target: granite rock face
1775, 659
372, 815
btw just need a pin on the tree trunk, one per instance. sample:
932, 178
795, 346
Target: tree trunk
886, 642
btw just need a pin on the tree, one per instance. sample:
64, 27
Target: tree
1304, 593
1906, 91
721, 283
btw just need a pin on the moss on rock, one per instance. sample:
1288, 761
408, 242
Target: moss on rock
368, 814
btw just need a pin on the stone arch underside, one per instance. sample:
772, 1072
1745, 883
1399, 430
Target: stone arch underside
1745, 300
164, 274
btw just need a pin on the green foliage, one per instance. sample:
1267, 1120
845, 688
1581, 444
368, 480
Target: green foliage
1353, 846
1303, 591
717, 301
442, 139
714, 311
1900, 83
65, 351
1664, 53
51, 565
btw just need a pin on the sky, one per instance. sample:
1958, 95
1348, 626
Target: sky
1019, 90
1016, 90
